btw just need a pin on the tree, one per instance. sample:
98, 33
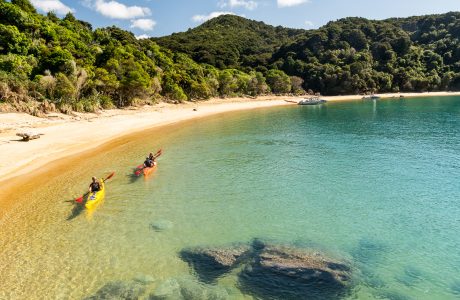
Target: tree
58, 60
65, 90
24, 5
134, 81
278, 81
12, 40
356, 38
296, 85
17, 65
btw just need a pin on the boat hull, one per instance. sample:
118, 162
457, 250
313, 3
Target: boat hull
148, 171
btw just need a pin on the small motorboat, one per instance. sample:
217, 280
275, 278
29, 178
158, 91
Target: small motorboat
371, 97
311, 101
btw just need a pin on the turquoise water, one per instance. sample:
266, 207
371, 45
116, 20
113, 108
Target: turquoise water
374, 183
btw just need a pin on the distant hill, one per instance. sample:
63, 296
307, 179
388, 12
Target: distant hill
231, 41
351, 55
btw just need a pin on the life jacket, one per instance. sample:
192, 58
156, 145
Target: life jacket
148, 163
95, 186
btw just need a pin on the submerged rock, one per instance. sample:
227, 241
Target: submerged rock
144, 279
161, 225
188, 289
273, 271
411, 276
211, 263
455, 287
191, 289
391, 295
369, 251
279, 272
375, 282
169, 289
119, 290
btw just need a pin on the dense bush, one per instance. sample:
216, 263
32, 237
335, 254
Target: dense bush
348, 56
71, 66
67, 63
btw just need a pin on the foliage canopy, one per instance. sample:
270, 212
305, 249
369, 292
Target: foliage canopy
67, 63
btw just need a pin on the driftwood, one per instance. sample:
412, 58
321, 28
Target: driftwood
27, 136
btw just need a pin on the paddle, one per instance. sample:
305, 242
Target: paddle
157, 154
80, 199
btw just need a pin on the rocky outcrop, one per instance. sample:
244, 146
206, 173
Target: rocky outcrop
211, 263
188, 289
279, 272
273, 271
119, 290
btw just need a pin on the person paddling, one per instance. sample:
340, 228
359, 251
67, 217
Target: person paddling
150, 161
95, 185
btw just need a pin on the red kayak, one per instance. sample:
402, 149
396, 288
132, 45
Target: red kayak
148, 170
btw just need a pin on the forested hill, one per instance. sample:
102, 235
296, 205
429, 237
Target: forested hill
351, 55
231, 41
50, 63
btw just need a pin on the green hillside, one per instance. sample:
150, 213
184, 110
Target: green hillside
51, 63
358, 55
231, 41
352, 55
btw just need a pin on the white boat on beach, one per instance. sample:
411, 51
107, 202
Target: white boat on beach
311, 101
371, 97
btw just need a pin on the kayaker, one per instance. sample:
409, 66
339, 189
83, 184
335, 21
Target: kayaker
151, 157
149, 161
95, 185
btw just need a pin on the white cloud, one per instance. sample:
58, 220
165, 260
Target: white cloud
289, 3
52, 5
248, 4
309, 24
142, 36
203, 18
144, 24
117, 10
87, 3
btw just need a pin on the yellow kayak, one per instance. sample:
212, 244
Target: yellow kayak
94, 198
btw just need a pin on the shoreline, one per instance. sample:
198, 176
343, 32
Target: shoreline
65, 135
392, 95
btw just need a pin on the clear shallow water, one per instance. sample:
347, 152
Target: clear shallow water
375, 183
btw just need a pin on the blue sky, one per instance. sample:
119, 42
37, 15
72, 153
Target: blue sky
163, 17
